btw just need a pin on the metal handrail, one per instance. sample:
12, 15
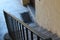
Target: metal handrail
38, 34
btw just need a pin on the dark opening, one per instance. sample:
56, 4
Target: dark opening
26, 17
32, 3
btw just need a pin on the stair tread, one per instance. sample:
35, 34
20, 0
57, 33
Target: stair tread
46, 32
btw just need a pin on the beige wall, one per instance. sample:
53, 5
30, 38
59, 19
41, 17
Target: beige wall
48, 14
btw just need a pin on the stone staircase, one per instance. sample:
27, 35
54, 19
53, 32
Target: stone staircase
37, 30
46, 32
41, 30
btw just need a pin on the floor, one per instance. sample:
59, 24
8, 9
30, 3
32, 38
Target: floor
9, 5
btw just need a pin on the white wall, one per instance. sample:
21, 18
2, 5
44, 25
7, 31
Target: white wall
48, 14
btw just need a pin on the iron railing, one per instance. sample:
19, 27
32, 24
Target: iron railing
18, 30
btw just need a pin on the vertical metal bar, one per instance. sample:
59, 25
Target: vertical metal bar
18, 30
23, 32
12, 27
31, 35
38, 38
27, 34
15, 31
12, 24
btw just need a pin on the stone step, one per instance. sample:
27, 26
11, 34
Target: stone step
46, 32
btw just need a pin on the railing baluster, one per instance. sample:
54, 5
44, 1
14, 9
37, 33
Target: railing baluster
27, 38
38, 38
19, 30
23, 32
31, 35
14, 27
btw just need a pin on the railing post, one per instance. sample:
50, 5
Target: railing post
38, 38
27, 34
23, 32
31, 35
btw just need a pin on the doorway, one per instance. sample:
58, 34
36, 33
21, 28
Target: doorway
32, 3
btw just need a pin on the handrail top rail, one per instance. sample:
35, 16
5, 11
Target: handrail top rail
28, 27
